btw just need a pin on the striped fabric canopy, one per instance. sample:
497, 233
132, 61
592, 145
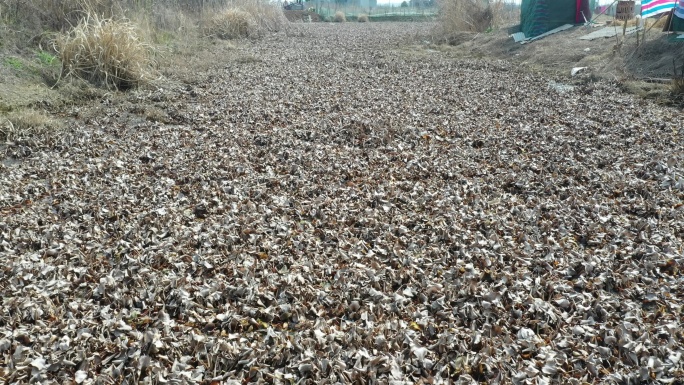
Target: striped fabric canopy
651, 8
679, 10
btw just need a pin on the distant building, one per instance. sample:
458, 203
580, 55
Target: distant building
422, 3
366, 3
610, 10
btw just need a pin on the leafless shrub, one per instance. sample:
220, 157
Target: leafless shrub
362, 18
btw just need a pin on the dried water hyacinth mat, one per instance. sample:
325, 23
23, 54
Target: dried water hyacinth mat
372, 217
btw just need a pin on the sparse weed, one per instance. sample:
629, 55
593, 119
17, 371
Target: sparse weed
163, 37
362, 18
678, 86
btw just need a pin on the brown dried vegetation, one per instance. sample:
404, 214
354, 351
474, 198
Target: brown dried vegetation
27, 126
339, 17
231, 24
105, 51
469, 15
373, 217
677, 87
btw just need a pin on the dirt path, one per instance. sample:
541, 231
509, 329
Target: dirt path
333, 207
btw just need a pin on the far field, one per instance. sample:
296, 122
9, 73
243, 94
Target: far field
345, 203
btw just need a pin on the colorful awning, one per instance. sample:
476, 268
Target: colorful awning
651, 8
679, 9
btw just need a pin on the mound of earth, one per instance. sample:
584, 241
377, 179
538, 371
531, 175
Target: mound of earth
302, 16
635, 66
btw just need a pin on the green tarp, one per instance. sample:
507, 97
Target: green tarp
677, 24
539, 16
673, 23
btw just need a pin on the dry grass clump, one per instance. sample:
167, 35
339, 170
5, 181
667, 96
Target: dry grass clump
469, 15
659, 23
245, 18
105, 52
677, 87
339, 17
231, 24
362, 18
26, 125
268, 16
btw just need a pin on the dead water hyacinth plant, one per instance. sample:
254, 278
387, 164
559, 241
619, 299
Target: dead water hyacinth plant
106, 52
290, 231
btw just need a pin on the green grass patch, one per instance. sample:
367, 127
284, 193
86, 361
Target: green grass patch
14, 62
164, 37
399, 17
46, 58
